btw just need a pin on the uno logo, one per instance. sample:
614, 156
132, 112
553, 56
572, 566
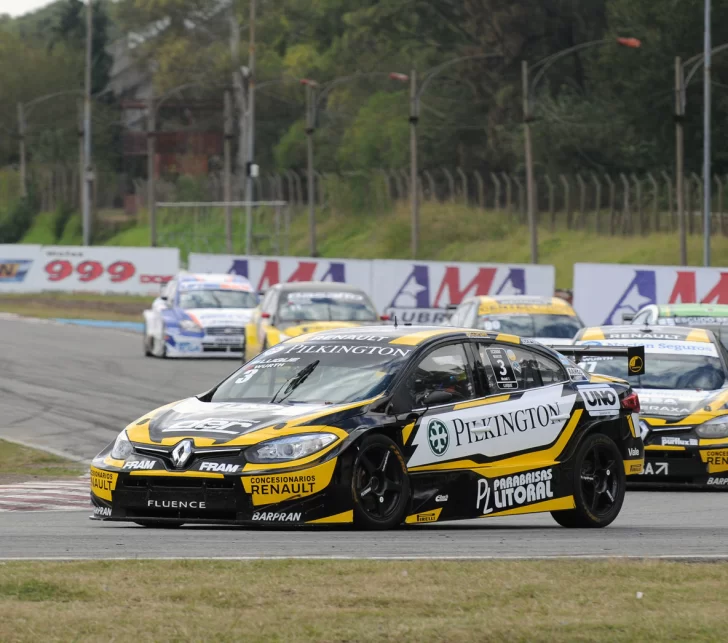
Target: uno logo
636, 364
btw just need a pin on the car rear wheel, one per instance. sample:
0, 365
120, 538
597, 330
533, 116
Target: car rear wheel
379, 484
599, 484
158, 524
147, 349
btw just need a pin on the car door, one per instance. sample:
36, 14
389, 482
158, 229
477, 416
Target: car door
525, 402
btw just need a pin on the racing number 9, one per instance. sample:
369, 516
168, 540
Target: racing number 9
89, 270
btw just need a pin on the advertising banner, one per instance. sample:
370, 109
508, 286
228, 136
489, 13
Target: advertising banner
420, 291
602, 292
16, 262
139, 271
264, 272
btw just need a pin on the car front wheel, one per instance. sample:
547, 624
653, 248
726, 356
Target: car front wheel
599, 484
379, 484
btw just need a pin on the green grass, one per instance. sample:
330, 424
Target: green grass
398, 601
76, 306
20, 461
448, 231
41, 231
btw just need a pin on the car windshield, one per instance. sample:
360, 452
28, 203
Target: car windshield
663, 371
325, 372
325, 306
209, 298
527, 325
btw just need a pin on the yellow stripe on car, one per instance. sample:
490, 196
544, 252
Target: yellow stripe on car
345, 516
557, 504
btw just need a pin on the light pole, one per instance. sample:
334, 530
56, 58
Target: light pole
88, 162
414, 117
315, 93
250, 77
682, 80
706, 139
529, 89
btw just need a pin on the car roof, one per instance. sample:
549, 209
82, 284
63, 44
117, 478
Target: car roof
663, 333
316, 286
499, 304
693, 310
406, 335
207, 281
211, 277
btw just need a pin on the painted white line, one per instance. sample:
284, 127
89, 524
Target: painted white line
693, 557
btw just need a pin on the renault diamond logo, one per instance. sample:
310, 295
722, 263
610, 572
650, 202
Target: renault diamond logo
181, 453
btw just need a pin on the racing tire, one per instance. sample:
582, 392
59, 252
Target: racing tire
163, 351
147, 349
599, 484
158, 524
380, 486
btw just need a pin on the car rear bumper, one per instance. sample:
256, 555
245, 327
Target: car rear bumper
701, 466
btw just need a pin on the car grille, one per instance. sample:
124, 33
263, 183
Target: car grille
182, 482
165, 454
225, 330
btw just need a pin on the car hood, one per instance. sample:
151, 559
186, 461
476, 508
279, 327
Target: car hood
209, 317
672, 404
296, 329
216, 423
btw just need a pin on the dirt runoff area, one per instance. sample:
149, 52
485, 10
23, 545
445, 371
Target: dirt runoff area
76, 306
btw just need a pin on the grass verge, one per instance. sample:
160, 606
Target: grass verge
76, 306
19, 464
362, 601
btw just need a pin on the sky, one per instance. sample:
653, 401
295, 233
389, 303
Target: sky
19, 7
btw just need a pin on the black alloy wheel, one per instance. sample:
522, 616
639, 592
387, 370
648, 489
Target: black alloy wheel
380, 485
599, 484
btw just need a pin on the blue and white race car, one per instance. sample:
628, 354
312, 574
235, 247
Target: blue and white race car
200, 315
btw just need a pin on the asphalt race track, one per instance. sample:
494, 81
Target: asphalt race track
72, 389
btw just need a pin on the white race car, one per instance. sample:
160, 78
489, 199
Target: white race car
200, 315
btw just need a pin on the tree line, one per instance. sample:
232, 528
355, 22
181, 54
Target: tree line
605, 109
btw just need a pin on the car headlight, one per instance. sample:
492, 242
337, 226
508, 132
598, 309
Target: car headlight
290, 448
715, 428
190, 326
122, 447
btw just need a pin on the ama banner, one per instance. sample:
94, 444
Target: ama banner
602, 292
420, 291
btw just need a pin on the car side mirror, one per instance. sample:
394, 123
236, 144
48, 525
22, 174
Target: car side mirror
437, 397
627, 317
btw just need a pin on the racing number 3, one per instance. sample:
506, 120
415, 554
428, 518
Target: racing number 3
89, 270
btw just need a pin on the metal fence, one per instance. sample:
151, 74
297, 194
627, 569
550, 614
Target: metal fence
604, 204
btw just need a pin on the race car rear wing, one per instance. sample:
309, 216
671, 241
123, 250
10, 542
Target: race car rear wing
635, 355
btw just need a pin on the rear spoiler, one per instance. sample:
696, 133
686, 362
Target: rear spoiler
635, 355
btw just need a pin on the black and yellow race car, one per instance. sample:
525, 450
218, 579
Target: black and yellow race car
379, 426
684, 398
294, 308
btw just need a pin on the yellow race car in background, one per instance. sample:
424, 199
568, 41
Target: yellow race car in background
293, 309
547, 320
